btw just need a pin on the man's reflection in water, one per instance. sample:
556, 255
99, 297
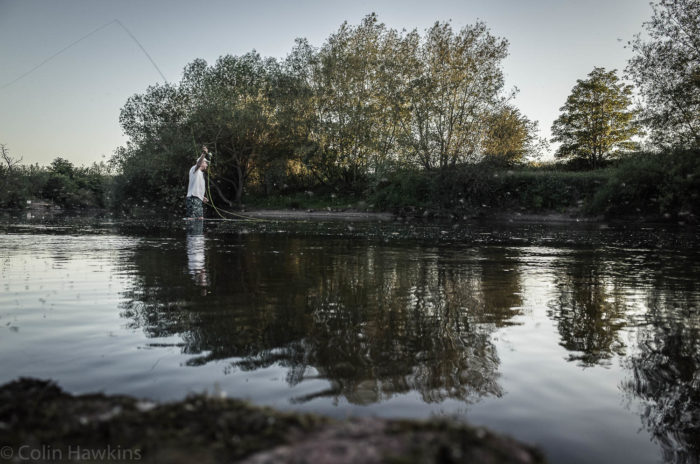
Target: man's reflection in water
196, 261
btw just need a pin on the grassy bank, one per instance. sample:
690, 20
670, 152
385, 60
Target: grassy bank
662, 186
651, 186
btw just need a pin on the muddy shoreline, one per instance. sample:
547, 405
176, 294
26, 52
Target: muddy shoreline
387, 216
329, 214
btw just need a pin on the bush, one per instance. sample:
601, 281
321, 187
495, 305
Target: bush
475, 186
652, 184
61, 184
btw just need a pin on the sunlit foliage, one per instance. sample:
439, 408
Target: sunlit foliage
596, 121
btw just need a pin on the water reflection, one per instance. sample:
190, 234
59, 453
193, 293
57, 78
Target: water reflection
394, 325
600, 297
665, 371
196, 261
589, 308
373, 321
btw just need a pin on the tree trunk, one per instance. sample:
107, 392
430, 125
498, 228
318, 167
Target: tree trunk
239, 187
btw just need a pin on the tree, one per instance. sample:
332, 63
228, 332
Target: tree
10, 185
511, 136
666, 69
7, 159
229, 106
456, 82
596, 120
352, 128
233, 107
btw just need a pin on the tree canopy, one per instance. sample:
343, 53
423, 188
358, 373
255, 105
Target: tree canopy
596, 121
666, 69
369, 100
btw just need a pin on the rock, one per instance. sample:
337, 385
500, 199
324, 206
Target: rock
212, 429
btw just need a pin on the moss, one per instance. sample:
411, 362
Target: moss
201, 428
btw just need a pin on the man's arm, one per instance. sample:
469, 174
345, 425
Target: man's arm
205, 151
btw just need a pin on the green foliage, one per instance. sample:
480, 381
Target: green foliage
477, 187
666, 69
71, 187
59, 184
652, 184
228, 106
510, 137
454, 81
596, 120
149, 178
19, 184
369, 99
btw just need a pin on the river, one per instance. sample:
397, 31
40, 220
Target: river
582, 339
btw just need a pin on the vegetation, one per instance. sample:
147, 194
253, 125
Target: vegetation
369, 101
61, 183
650, 185
666, 69
404, 121
596, 120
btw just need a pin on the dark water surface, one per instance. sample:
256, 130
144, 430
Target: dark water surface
581, 339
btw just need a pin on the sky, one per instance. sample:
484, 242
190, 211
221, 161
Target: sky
69, 106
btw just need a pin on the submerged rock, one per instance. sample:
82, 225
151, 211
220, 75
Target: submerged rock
41, 421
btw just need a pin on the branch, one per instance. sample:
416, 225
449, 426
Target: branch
5, 154
218, 190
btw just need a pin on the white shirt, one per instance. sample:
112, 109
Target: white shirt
196, 187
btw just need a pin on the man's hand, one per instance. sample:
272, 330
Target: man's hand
205, 149
205, 200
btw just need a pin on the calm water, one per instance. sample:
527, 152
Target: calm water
582, 340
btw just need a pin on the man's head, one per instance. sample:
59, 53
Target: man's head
204, 164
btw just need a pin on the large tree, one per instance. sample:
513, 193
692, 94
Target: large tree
666, 68
350, 101
455, 84
597, 120
229, 106
232, 107
345, 96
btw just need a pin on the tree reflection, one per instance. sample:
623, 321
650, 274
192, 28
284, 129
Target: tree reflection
593, 306
374, 321
589, 309
665, 372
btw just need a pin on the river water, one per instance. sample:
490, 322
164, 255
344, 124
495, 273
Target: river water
581, 339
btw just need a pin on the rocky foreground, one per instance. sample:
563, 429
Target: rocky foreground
39, 422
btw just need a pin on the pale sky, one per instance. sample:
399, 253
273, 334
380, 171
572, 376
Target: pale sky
69, 106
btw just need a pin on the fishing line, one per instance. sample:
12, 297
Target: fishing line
241, 216
145, 52
72, 44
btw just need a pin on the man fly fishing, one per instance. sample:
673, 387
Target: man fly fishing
196, 190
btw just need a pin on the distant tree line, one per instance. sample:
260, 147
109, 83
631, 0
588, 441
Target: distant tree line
60, 184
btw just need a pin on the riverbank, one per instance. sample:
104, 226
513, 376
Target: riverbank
503, 216
42, 422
